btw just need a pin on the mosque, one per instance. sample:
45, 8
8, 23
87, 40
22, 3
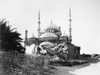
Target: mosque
52, 36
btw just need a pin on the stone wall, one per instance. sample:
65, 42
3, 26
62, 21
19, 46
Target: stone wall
73, 51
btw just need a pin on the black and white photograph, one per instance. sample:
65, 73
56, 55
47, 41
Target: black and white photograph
49, 37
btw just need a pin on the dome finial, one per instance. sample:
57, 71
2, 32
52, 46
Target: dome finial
64, 33
33, 35
51, 21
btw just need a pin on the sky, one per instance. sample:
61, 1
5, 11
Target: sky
23, 14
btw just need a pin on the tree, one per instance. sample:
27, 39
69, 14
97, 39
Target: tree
10, 39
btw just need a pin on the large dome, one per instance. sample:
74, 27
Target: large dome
46, 43
48, 35
52, 26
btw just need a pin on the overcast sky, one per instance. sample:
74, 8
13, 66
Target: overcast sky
23, 15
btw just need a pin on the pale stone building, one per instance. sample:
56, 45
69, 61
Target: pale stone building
52, 35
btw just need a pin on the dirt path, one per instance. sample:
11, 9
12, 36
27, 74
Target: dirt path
64, 70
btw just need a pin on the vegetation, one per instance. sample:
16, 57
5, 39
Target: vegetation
12, 64
10, 39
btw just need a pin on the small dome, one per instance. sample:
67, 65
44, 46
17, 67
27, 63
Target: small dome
48, 35
64, 35
52, 26
33, 37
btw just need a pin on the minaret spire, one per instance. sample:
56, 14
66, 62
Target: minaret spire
70, 28
39, 29
26, 38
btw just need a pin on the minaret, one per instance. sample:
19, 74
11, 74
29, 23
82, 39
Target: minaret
70, 28
39, 29
26, 39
